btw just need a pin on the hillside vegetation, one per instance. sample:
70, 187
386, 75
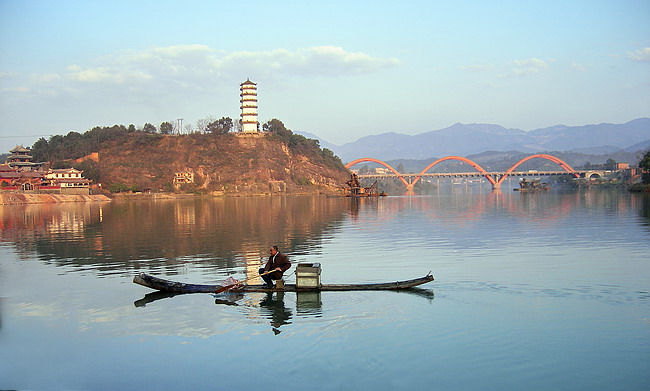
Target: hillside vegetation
271, 162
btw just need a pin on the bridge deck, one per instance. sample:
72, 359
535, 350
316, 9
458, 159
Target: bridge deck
494, 174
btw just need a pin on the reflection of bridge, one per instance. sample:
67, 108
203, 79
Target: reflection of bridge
495, 178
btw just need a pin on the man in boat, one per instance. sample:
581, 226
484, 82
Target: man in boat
278, 263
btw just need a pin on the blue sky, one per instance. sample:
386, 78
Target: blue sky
338, 69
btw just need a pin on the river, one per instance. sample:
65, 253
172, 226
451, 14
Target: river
532, 291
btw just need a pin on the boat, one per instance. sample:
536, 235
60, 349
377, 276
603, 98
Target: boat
356, 190
534, 185
163, 285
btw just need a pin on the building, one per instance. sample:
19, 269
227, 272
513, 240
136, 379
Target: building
20, 159
183, 177
67, 179
248, 100
21, 174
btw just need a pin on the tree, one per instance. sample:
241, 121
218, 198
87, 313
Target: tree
276, 126
41, 150
149, 128
131, 128
166, 128
644, 165
202, 124
610, 164
220, 126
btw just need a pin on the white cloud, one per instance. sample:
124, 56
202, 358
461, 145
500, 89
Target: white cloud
578, 67
45, 78
642, 54
108, 75
477, 67
192, 64
308, 62
19, 90
197, 68
528, 66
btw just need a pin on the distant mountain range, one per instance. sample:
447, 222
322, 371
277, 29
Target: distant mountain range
468, 139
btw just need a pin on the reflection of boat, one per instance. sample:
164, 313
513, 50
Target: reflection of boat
179, 287
534, 185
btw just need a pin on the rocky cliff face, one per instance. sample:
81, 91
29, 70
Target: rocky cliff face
242, 164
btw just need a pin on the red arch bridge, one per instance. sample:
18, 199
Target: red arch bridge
496, 178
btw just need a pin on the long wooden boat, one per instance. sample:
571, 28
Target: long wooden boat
163, 285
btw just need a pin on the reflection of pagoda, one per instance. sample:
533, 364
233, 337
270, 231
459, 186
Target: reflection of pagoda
21, 160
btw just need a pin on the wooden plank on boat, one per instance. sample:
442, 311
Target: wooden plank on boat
179, 287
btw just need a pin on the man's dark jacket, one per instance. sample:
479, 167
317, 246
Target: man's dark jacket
279, 260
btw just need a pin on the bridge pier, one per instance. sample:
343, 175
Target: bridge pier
497, 181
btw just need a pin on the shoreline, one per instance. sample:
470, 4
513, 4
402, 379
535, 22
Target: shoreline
23, 198
26, 198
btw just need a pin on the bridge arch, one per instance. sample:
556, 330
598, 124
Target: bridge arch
565, 166
369, 159
459, 158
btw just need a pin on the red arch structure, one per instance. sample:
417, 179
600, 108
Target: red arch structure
369, 159
495, 184
565, 166
462, 159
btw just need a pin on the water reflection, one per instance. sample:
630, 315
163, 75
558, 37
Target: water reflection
309, 304
229, 298
643, 202
557, 280
273, 308
220, 235
153, 296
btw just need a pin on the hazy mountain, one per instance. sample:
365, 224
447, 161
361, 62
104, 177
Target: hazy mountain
503, 160
619, 135
642, 146
467, 139
323, 143
602, 150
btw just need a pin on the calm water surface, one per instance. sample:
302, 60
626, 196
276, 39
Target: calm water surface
543, 291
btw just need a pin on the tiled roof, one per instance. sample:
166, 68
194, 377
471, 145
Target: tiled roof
19, 148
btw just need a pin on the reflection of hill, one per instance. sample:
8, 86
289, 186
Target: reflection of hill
120, 235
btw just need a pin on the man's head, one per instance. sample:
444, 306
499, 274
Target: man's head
273, 250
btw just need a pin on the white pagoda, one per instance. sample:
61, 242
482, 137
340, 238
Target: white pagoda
248, 100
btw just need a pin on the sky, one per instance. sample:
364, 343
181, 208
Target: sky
340, 70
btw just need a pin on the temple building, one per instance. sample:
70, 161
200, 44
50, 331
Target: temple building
20, 174
20, 159
248, 100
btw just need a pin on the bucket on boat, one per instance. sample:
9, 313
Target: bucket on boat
308, 275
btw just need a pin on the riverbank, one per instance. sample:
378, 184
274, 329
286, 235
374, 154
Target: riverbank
22, 198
